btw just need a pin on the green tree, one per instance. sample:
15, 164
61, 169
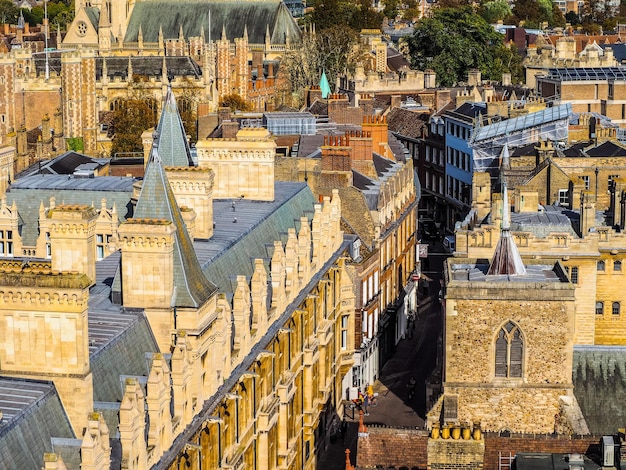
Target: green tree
572, 18
9, 13
33, 16
357, 14
391, 8
455, 40
129, 122
236, 103
334, 50
494, 10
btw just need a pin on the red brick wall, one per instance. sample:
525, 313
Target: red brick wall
390, 446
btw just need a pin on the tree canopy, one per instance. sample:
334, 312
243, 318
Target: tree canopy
455, 40
9, 13
356, 15
534, 12
334, 50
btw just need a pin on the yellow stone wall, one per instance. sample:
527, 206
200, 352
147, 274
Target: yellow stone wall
474, 314
243, 166
43, 323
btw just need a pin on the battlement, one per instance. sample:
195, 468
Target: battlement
40, 274
148, 222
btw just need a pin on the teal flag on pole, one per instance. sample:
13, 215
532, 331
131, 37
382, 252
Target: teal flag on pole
324, 85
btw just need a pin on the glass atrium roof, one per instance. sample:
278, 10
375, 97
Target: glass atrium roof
587, 73
520, 123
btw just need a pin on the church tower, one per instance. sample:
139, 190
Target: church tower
509, 335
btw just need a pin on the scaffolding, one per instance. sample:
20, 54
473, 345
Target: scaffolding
487, 141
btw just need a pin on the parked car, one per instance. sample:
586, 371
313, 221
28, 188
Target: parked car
449, 243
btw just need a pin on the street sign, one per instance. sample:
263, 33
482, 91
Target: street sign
423, 250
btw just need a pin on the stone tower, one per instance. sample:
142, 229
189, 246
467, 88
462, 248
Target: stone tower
45, 323
509, 334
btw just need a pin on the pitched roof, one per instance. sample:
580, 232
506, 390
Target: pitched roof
172, 146
606, 149
32, 412
66, 164
407, 123
157, 201
249, 231
197, 17
32, 191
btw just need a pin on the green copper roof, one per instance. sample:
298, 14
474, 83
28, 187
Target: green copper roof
172, 142
193, 16
157, 201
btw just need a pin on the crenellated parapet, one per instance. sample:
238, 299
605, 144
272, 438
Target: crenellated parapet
193, 187
147, 248
72, 229
244, 167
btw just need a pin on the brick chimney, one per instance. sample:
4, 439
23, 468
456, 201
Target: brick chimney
361, 149
377, 127
361, 145
230, 129
338, 108
366, 103
336, 161
313, 94
223, 114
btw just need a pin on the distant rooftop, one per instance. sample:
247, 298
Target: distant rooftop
525, 121
548, 219
586, 73
477, 272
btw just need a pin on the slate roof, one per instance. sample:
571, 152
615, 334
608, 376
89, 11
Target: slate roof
173, 147
150, 66
157, 201
32, 412
550, 219
195, 16
599, 376
32, 191
235, 245
395, 60
575, 150
407, 123
65, 164
606, 149
319, 108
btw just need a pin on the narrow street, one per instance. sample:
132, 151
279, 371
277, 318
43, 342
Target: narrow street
416, 356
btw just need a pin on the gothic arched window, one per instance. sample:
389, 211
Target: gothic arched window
509, 351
